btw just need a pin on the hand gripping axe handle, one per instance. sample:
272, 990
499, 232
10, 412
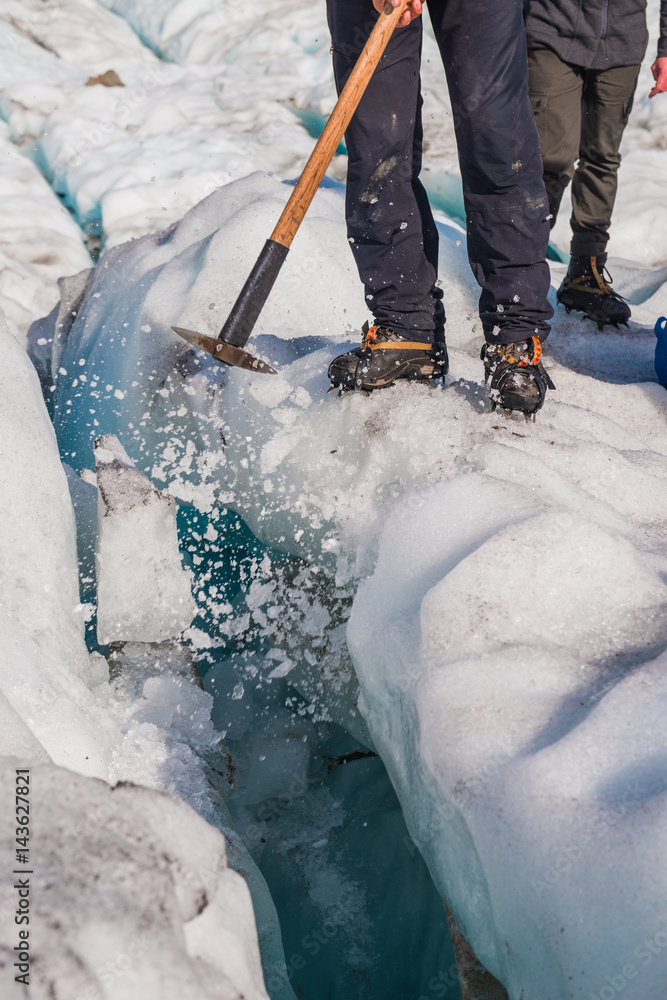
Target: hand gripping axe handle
228, 346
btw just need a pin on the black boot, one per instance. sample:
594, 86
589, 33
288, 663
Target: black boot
385, 356
587, 287
518, 380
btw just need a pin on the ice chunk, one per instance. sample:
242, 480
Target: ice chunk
47, 337
507, 680
143, 591
45, 672
166, 740
135, 896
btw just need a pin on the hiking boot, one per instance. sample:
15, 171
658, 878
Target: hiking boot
587, 288
518, 380
385, 356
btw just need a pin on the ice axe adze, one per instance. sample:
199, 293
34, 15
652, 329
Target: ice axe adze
228, 347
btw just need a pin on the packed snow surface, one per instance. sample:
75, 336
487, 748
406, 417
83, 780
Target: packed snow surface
508, 625
131, 157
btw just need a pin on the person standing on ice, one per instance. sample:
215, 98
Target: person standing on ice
584, 59
390, 225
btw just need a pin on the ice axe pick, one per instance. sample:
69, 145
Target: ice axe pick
228, 346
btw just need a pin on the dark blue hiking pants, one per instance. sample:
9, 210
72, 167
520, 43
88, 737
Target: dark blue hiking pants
391, 229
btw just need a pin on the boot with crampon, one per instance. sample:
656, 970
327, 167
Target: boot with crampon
587, 288
516, 377
385, 356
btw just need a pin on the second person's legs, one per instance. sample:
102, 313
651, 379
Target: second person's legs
606, 105
555, 95
606, 100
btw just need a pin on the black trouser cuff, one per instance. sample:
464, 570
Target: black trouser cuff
588, 250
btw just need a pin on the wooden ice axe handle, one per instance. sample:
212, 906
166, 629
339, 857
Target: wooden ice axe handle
334, 130
245, 311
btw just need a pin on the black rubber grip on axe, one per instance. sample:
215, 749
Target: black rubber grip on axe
245, 312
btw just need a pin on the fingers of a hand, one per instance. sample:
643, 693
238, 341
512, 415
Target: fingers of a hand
659, 70
660, 85
414, 10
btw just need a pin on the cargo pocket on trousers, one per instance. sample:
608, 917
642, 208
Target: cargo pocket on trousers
627, 109
539, 102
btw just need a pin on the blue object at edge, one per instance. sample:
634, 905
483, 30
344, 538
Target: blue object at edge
661, 350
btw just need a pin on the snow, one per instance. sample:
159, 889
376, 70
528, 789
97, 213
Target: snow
516, 572
46, 673
151, 725
505, 646
506, 654
132, 896
39, 240
130, 160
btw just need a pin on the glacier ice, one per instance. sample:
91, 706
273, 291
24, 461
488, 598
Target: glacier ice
143, 591
131, 160
508, 581
493, 691
149, 725
39, 240
132, 896
164, 735
45, 672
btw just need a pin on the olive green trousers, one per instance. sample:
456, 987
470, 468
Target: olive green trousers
580, 116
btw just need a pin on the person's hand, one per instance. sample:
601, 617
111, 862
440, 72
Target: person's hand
659, 70
412, 11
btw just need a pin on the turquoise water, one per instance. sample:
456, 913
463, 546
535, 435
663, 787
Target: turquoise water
359, 914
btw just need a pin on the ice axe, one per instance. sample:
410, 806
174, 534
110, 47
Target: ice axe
228, 346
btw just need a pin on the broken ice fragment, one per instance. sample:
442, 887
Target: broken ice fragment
143, 592
281, 670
